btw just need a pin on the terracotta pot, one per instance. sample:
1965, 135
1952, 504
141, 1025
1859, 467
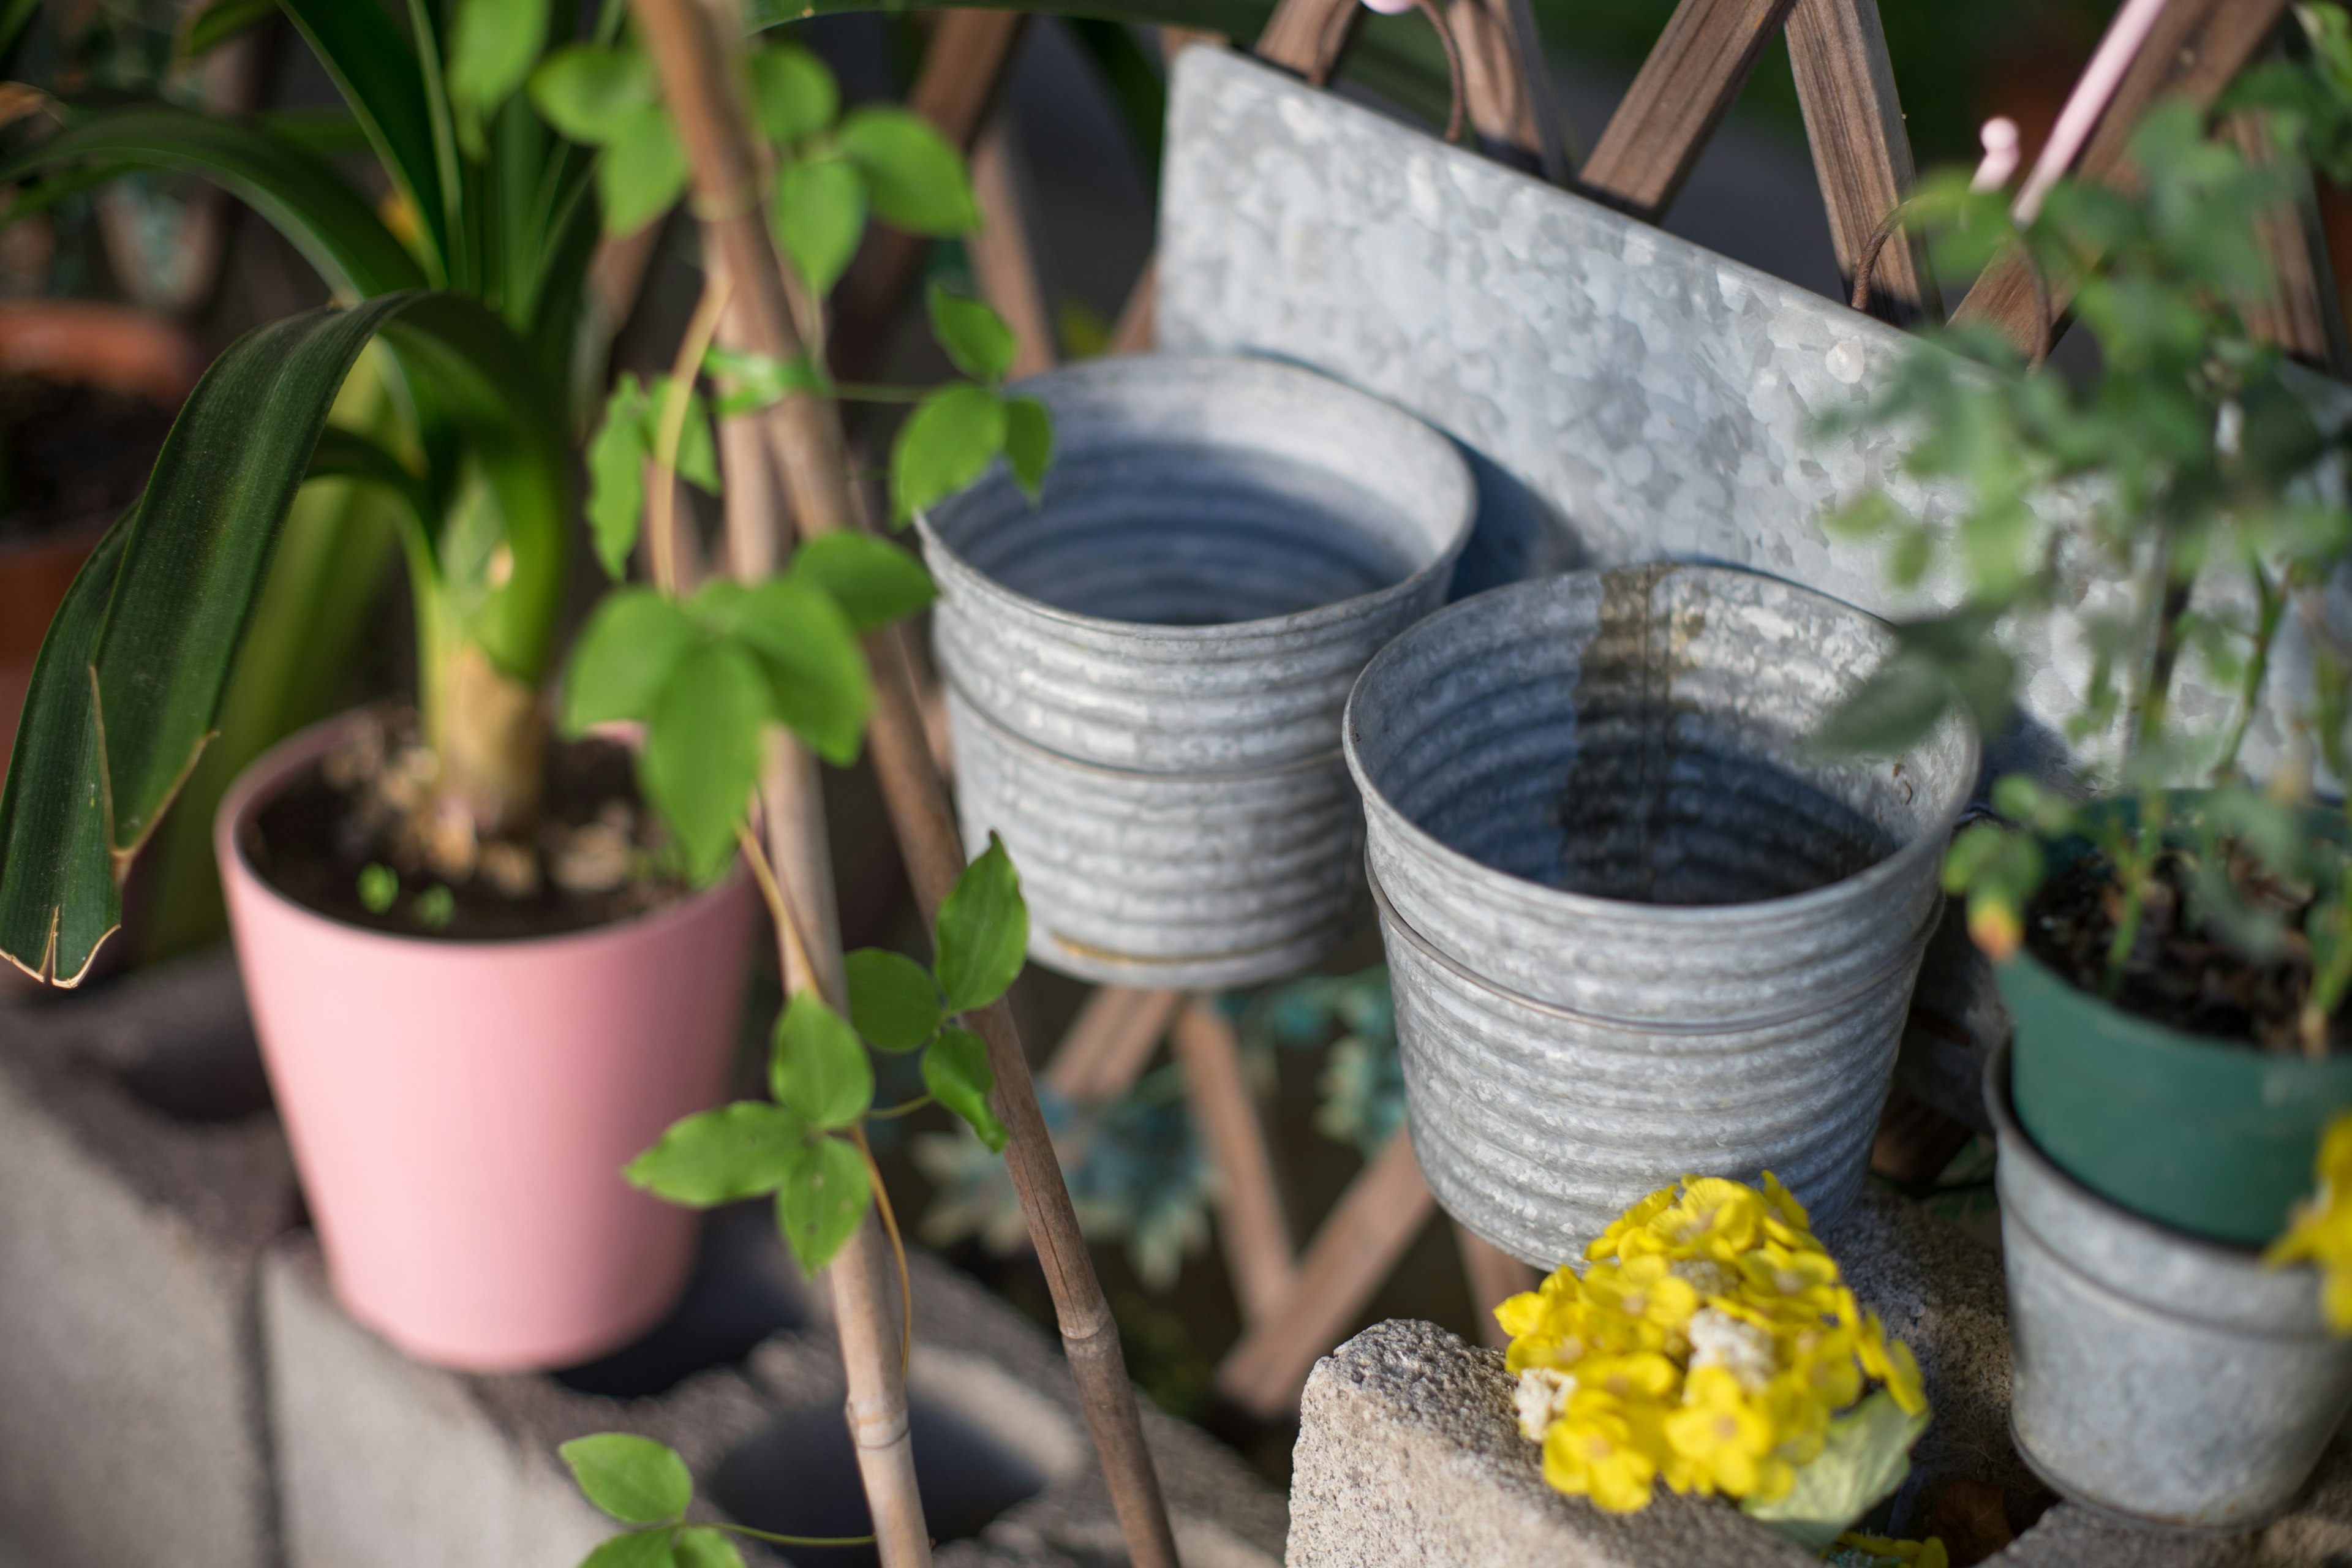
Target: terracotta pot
461, 1112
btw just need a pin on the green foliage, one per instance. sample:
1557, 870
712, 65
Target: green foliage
914, 177
379, 887
956, 1070
701, 754
1868, 1456
699, 1546
492, 47
975, 337
892, 1001
637, 1548
723, 1156
946, 443
434, 907
819, 1068
982, 931
820, 214
823, 1201
874, 582
633, 1479
605, 97
793, 92
2165, 505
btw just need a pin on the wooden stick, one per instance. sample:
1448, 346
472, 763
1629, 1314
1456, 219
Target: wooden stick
963, 68
1110, 1043
1250, 1222
1134, 332
1512, 113
1375, 1220
1862, 154
1003, 263
2197, 47
1680, 96
2303, 316
805, 436
1494, 1277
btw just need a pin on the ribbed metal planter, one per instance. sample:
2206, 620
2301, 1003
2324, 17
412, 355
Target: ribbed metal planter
1145, 674
1635, 928
2161, 1377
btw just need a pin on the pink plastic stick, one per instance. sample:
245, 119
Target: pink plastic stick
2089, 99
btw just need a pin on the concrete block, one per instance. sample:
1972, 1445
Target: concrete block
1409, 1453
383, 1461
141, 1177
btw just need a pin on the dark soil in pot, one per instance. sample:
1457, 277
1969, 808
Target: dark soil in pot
71, 456
353, 838
2179, 973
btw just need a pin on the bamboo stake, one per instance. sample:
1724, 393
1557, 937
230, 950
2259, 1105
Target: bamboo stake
805, 437
1250, 1222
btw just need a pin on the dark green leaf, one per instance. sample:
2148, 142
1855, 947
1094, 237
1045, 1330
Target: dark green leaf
702, 752
737, 1151
701, 1546
624, 657
982, 931
639, 1548
298, 195
817, 683
377, 72
379, 887
948, 442
1893, 709
956, 1070
347, 454
1028, 444
914, 174
823, 1201
641, 171
617, 476
975, 338
222, 20
820, 214
59, 899
491, 50
793, 92
891, 999
756, 380
589, 94
434, 907
873, 581
819, 1070
634, 1479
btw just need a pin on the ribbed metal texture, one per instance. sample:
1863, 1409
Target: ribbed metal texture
1636, 928
1145, 673
2155, 1375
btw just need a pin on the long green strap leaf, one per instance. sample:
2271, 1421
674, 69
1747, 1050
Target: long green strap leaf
59, 899
376, 70
299, 195
129, 682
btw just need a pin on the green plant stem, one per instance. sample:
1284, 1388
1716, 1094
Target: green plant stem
905, 1107
792, 1540
2270, 611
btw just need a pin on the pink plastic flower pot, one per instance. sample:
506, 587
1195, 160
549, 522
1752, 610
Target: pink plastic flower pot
461, 1112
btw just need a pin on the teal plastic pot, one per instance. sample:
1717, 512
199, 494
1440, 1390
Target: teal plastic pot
2213, 1137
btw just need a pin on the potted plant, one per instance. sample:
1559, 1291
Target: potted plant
462, 1077
2169, 924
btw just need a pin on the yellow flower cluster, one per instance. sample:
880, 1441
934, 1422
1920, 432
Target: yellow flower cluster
1708, 1343
2322, 1231
1878, 1550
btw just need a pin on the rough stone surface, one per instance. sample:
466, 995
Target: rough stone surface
1409, 1453
131, 1429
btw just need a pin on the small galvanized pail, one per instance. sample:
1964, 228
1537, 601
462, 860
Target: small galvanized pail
1637, 927
2155, 1375
1145, 673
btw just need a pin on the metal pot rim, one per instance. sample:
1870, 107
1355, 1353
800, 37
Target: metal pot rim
1897, 865
1403, 427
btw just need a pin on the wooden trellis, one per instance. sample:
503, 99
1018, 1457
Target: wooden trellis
1296, 1303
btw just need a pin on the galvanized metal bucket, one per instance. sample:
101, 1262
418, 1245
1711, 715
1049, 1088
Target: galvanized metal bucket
2155, 1375
1637, 927
1145, 673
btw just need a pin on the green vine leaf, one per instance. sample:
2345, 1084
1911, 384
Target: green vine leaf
823, 1201
948, 441
956, 1070
491, 49
639, 1548
722, 1156
914, 174
590, 93
892, 1000
641, 171
983, 933
617, 476
699, 1546
634, 1479
819, 1070
697, 451
820, 215
757, 380
807, 651
624, 656
702, 751
793, 93
1028, 444
873, 581
975, 338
